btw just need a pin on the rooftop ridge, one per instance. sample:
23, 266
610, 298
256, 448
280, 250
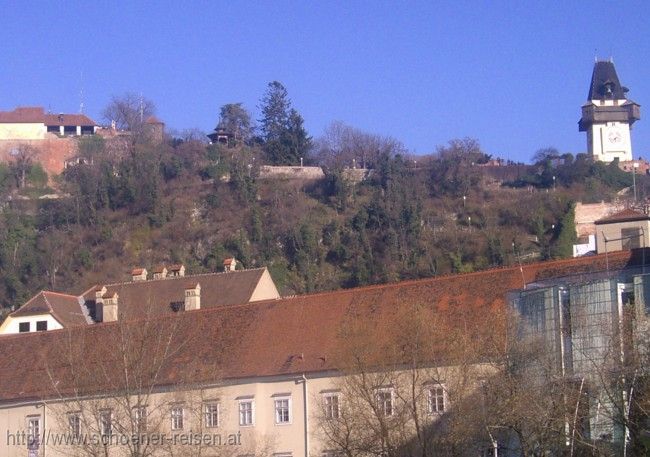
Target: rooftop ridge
59, 293
32, 299
168, 278
457, 275
47, 302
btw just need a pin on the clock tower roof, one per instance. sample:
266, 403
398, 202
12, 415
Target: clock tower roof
605, 84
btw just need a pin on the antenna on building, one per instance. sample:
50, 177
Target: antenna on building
141, 108
81, 94
595, 54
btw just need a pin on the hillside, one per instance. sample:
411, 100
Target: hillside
185, 202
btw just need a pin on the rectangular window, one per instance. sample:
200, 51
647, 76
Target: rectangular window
140, 419
74, 422
332, 406
436, 399
282, 410
33, 432
385, 402
23, 327
106, 423
331, 453
246, 412
211, 415
41, 326
631, 238
177, 417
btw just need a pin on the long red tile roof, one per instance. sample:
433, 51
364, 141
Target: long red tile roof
36, 114
287, 336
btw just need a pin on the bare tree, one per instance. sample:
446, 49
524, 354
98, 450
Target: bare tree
412, 395
135, 392
574, 379
526, 407
344, 146
23, 157
129, 112
56, 248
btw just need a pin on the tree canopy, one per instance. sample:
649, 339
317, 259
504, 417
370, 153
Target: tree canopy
236, 120
129, 111
284, 138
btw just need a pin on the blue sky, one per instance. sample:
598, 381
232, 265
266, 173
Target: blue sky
511, 74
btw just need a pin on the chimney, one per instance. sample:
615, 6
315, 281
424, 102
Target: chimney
193, 297
177, 270
99, 302
99, 293
109, 308
139, 274
160, 272
229, 264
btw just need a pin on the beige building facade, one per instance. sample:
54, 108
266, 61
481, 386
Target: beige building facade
625, 230
272, 416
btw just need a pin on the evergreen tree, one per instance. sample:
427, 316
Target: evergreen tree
566, 235
284, 137
275, 112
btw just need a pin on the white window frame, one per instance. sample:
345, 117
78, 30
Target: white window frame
433, 395
106, 427
330, 412
381, 401
279, 409
177, 417
74, 424
241, 412
209, 414
140, 418
33, 432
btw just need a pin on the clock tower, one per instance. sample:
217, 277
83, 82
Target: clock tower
608, 115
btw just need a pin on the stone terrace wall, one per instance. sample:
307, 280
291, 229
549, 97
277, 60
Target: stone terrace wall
267, 171
51, 153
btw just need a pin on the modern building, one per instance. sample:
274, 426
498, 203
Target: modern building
608, 116
265, 374
594, 326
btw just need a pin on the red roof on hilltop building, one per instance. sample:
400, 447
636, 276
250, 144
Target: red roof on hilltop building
36, 114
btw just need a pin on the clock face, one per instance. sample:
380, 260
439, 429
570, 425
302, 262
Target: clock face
614, 136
